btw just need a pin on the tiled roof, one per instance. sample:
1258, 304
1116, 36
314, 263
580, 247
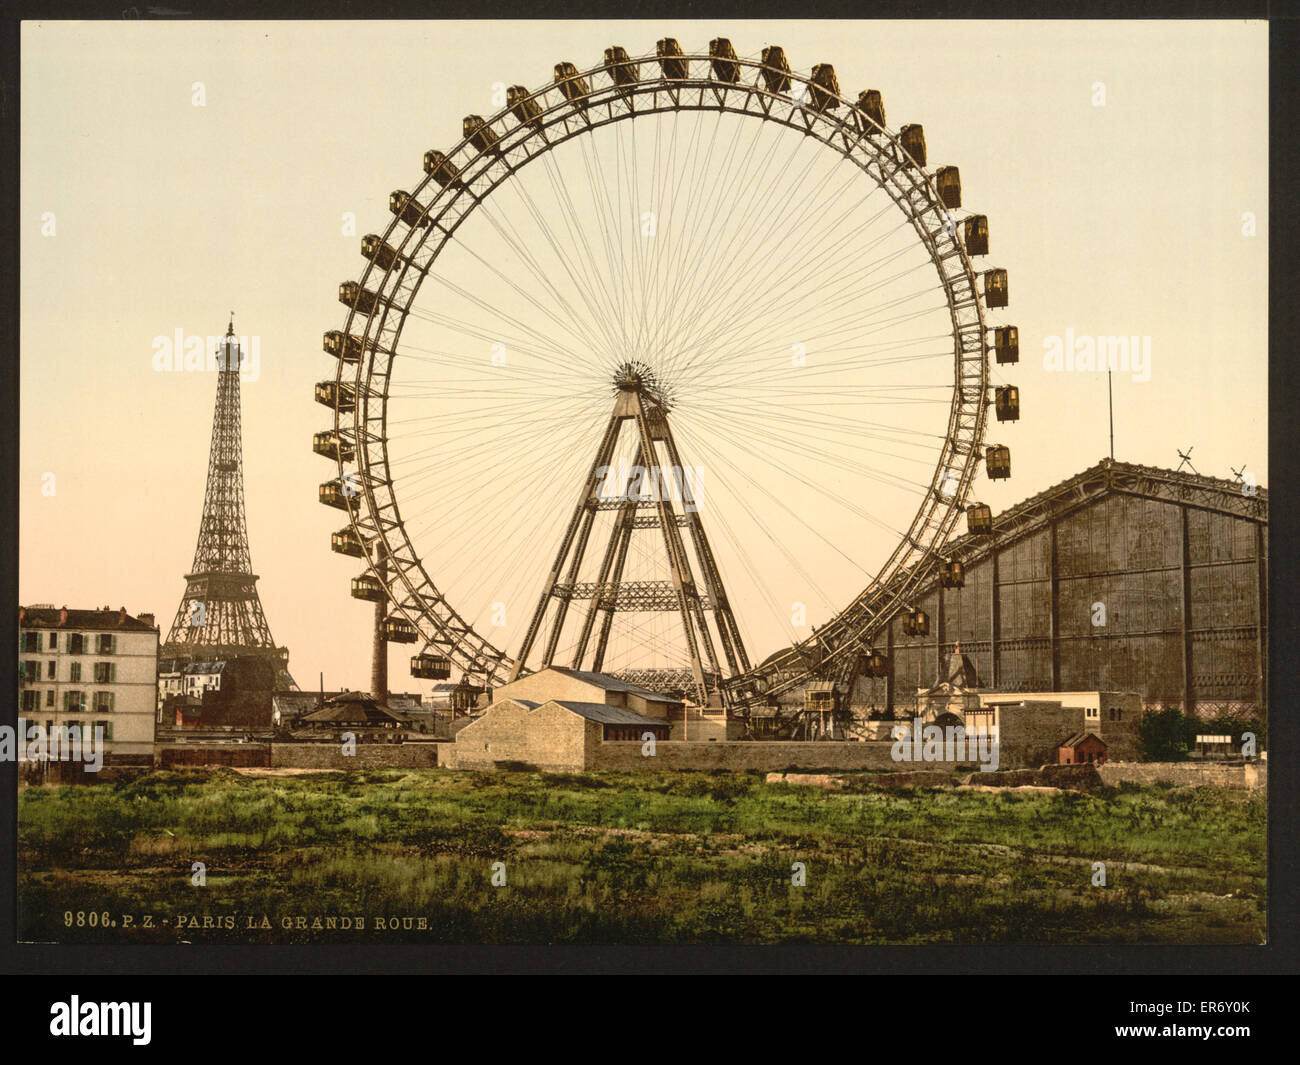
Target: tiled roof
606, 715
1079, 737
93, 620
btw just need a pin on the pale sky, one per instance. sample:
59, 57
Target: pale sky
1119, 219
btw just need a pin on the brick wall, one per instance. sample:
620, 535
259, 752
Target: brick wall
243, 754
765, 756
368, 756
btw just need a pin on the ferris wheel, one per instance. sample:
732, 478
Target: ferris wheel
670, 363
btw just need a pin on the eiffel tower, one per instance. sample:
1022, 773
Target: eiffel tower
220, 615
641, 406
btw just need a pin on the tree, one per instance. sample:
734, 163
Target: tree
1164, 736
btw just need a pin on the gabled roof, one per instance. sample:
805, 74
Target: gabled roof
1079, 737
606, 715
614, 684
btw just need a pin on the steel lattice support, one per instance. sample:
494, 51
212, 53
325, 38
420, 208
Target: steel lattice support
641, 409
220, 614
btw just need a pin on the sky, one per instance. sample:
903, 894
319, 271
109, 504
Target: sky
1122, 165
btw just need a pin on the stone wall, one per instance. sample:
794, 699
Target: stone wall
1191, 774
547, 736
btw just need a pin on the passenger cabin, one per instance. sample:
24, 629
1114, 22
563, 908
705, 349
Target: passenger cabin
871, 106
340, 397
776, 69
979, 520
522, 105
379, 251
671, 59
410, 211
480, 134
874, 664
572, 87
912, 139
824, 87
442, 170
464, 698
332, 495
976, 234
362, 300
916, 623
331, 445
1007, 403
995, 288
347, 542
343, 346
430, 667
953, 575
1006, 344
723, 60
368, 587
398, 630
997, 460
622, 70
948, 182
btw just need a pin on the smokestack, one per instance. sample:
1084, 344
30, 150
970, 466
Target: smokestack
379, 648
22, 616
63, 616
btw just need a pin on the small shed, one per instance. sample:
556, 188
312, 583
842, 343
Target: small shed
1080, 748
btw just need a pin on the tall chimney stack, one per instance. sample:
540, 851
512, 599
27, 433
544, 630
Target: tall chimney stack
379, 648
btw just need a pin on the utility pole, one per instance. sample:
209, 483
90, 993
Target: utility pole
1110, 400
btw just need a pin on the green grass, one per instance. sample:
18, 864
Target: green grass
636, 858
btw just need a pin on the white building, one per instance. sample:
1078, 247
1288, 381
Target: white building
79, 669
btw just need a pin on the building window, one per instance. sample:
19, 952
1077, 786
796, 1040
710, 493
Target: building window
105, 672
1119, 715
105, 730
31, 671
104, 702
49, 696
54, 641
105, 644
76, 643
29, 700
74, 671
49, 669
31, 642
74, 702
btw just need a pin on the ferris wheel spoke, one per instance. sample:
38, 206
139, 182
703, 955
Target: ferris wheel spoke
807, 236
538, 272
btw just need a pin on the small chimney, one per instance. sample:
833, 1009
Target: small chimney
121, 615
22, 616
63, 616
147, 619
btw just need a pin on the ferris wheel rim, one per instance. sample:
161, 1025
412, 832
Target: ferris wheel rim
564, 120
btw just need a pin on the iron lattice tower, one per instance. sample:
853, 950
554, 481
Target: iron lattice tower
642, 406
220, 615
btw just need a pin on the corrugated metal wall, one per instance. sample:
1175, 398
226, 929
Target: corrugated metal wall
1031, 615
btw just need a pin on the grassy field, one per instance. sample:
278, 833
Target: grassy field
610, 858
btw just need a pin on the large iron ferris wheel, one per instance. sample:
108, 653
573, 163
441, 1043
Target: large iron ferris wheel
718, 266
